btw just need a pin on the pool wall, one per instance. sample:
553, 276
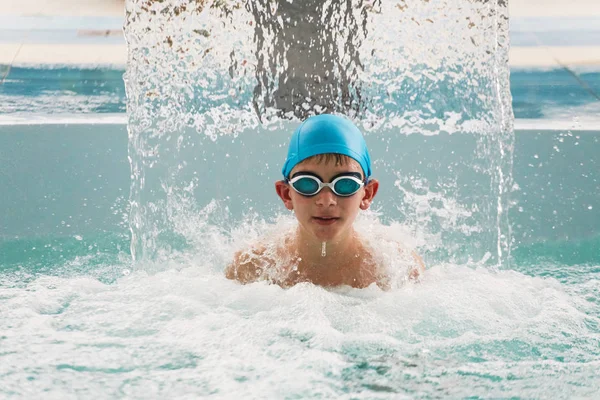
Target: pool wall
73, 180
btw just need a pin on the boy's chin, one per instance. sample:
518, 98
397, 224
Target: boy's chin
325, 237
326, 233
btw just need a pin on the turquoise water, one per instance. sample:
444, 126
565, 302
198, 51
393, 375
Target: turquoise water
80, 319
536, 93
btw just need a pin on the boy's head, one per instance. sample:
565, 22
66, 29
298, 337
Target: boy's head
326, 176
327, 134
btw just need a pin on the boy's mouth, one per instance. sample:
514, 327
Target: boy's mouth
325, 220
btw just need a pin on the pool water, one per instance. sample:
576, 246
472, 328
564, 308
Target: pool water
80, 320
537, 93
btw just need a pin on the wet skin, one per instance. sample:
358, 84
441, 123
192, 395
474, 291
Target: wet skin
314, 212
324, 217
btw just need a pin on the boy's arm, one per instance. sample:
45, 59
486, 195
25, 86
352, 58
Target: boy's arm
420, 267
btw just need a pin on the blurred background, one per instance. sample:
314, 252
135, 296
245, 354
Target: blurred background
62, 31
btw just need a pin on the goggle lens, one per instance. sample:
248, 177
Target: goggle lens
342, 186
346, 186
306, 186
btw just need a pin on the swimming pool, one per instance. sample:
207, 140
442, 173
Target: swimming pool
78, 320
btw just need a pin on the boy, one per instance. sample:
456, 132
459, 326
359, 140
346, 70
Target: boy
326, 181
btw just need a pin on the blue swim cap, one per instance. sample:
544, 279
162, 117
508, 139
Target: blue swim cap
324, 134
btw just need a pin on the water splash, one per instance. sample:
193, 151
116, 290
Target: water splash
461, 332
215, 87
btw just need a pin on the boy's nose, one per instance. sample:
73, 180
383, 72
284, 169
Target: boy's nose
325, 197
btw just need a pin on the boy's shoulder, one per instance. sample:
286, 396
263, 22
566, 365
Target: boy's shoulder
261, 260
391, 252
271, 260
249, 265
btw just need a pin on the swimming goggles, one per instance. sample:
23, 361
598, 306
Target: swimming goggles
343, 185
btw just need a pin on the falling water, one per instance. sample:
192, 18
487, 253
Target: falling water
215, 88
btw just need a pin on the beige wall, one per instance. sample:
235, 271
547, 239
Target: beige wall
518, 8
554, 8
62, 7
117, 53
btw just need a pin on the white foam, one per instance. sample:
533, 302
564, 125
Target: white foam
196, 332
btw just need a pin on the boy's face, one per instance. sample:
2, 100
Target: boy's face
325, 215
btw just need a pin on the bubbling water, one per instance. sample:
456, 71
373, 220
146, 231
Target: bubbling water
215, 88
461, 332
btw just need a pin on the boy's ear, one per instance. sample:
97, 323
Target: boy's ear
370, 192
283, 191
